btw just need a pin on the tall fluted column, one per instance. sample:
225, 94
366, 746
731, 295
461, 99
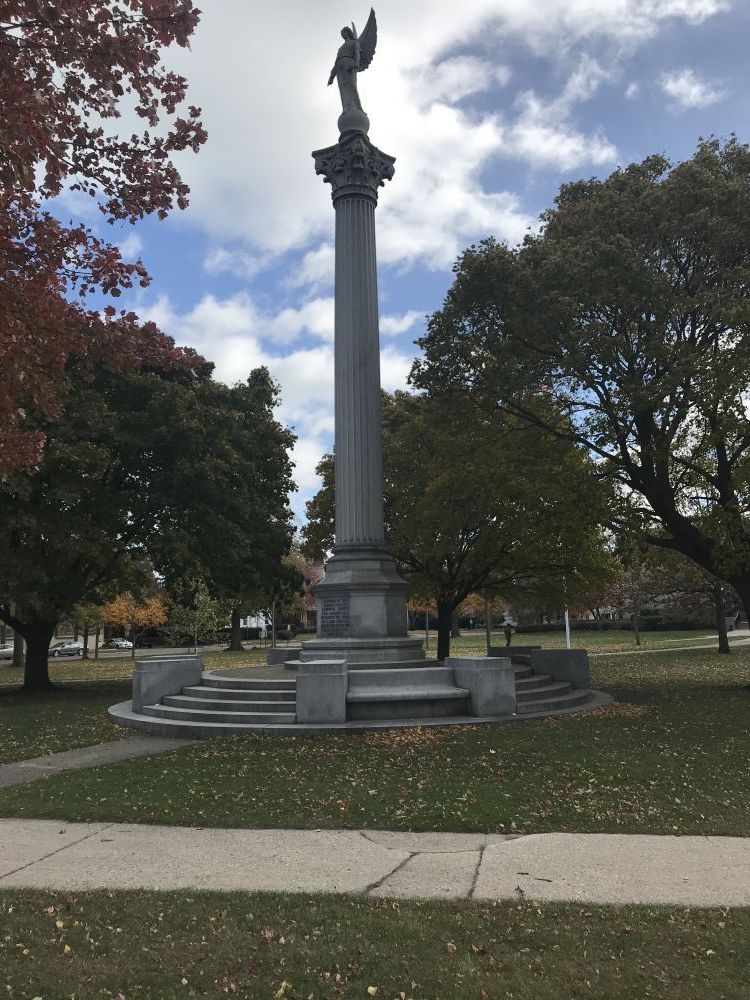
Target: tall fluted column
359, 464
362, 596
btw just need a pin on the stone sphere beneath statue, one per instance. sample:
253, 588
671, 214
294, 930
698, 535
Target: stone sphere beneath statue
353, 120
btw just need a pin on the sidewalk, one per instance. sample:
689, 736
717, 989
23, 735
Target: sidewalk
23, 771
589, 868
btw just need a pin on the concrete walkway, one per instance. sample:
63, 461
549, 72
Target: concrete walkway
590, 868
24, 771
739, 639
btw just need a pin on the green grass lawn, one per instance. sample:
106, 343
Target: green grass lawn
671, 755
158, 946
614, 641
74, 714
115, 668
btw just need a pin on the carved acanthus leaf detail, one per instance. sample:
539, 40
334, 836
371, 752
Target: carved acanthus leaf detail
354, 166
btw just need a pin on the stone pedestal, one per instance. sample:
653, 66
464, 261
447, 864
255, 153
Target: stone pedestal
490, 683
362, 596
321, 691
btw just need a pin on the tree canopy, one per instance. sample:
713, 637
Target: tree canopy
67, 72
474, 503
631, 309
181, 471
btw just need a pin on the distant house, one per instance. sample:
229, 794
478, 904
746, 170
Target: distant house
306, 615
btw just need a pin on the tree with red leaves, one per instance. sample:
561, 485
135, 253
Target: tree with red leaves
66, 70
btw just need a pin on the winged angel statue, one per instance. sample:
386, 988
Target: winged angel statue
354, 56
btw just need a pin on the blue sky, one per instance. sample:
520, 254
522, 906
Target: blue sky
487, 105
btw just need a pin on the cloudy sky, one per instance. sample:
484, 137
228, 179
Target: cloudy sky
487, 105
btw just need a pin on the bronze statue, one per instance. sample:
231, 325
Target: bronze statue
354, 56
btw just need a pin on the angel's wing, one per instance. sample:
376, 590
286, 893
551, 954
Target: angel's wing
367, 41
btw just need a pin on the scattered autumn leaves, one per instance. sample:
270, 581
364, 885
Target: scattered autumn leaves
136, 945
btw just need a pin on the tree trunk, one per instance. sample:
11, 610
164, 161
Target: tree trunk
235, 634
38, 636
488, 625
721, 622
18, 650
636, 628
85, 640
744, 591
455, 631
444, 620
96, 643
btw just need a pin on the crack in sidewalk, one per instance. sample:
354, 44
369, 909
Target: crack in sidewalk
59, 850
482, 849
398, 867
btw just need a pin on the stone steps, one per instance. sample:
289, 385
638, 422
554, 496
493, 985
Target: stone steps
554, 704
249, 683
407, 693
402, 677
547, 692
238, 693
527, 683
412, 703
417, 664
243, 718
226, 704
426, 692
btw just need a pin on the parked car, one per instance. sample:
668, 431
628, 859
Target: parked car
118, 644
6, 651
67, 648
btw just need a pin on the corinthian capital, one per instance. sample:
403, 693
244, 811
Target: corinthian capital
354, 167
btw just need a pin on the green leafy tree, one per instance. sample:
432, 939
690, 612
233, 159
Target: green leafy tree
251, 559
631, 307
195, 610
159, 466
473, 503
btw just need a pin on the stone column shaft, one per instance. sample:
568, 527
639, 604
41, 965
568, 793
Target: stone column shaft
359, 463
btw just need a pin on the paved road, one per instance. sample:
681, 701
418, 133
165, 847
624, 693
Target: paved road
589, 868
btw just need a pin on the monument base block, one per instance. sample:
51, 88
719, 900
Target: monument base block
361, 596
366, 653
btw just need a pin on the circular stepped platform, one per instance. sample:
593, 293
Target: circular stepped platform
262, 700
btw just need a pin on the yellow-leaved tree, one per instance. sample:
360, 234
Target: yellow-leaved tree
133, 614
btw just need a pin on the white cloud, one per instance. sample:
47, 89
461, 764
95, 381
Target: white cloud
453, 79
131, 247
261, 82
220, 260
688, 90
542, 132
392, 325
632, 90
448, 114
316, 268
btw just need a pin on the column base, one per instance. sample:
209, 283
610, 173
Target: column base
361, 596
366, 654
